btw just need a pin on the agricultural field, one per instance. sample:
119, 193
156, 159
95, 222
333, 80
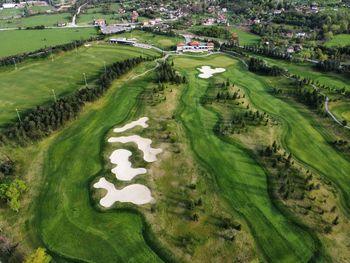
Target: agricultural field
341, 40
37, 20
62, 72
31, 40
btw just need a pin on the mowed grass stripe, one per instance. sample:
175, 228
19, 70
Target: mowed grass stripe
67, 222
240, 179
300, 131
32, 83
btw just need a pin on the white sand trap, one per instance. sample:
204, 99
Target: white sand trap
208, 72
140, 122
144, 144
123, 171
137, 194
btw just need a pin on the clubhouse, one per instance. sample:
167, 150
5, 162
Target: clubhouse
195, 46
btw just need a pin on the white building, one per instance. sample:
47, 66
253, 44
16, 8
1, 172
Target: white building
195, 46
10, 5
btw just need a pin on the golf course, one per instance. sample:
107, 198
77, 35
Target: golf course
172, 158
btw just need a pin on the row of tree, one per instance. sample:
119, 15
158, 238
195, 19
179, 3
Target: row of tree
259, 66
41, 121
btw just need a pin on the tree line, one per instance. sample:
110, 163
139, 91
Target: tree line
259, 66
167, 73
42, 120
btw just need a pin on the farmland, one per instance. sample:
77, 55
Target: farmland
38, 20
31, 40
54, 75
338, 41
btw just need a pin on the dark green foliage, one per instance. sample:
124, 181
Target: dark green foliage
259, 66
166, 73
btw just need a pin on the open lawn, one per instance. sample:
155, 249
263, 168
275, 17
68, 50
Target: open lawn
160, 41
32, 83
37, 20
339, 41
341, 110
246, 38
307, 70
20, 41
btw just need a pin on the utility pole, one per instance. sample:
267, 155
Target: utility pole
54, 95
19, 117
85, 79
14, 61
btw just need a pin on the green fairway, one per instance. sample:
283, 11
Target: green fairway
339, 41
20, 41
340, 110
163, 42
240, 179
32, 83
66, 220
37, 20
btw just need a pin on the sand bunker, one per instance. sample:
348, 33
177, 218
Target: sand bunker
136, 193
140, 122
208, 72
144, 144
123, 171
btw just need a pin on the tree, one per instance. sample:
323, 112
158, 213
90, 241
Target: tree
39, 256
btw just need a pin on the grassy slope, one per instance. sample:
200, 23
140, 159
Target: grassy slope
240, 179
20, 41
300, 128
163, 42
246, 38
65, 211
340, 40
46, 20
341, 110
31, 84
306, 70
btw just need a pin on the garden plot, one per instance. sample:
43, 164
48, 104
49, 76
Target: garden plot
208, 72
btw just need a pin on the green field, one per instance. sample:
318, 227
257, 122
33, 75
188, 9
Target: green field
160, 41
9, 13
37, 20
339, 41
64, 74
246, 38
20, 41
306, 70
340, 110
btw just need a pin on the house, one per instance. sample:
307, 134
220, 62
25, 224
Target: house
195, 46
100, 22
123, 41
10, 5
208, 22
298, 47
301, 34
134, 16
290, 50
289, 34
61, 24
